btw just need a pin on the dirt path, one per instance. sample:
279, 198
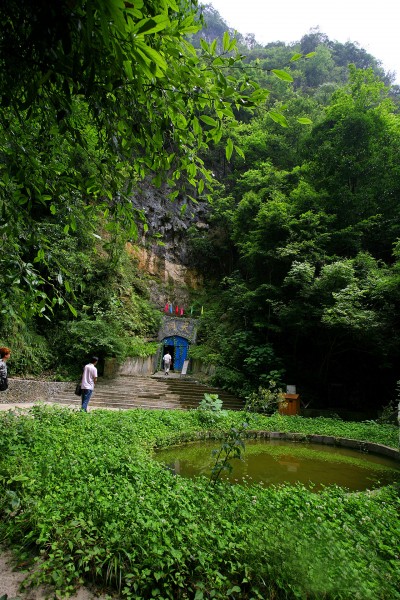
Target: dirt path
16, 405
10, 581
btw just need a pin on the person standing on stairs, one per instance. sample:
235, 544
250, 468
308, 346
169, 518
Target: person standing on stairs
167, 358
89, 379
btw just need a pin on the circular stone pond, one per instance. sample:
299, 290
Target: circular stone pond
277, 461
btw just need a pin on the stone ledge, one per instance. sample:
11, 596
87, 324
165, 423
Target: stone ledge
329, 440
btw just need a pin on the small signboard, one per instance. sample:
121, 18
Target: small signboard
184, 367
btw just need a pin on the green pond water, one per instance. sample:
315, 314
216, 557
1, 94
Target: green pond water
272, 462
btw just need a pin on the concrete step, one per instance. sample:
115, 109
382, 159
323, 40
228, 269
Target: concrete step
122, 405
163, 392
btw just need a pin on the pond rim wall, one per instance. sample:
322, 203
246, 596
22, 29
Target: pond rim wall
327, 440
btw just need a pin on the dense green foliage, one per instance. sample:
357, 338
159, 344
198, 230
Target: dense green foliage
304, 246
115, 319
83, 493
99, 101
92, 108
97, 98
295, 147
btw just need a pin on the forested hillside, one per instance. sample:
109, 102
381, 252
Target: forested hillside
295, 150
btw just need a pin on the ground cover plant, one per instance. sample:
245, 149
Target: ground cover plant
82, 494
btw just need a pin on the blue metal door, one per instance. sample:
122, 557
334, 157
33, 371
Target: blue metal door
179, 348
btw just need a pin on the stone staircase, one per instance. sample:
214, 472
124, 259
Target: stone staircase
154, 392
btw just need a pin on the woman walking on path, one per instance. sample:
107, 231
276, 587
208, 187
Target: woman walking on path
5, 354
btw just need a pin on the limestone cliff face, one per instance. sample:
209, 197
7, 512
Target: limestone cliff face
162, 250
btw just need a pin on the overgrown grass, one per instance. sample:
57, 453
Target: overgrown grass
81, 492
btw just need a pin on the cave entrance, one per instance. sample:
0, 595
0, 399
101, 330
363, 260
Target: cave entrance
178, 347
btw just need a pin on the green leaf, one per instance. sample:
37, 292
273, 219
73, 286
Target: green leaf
225, 41
235, 588
173, 195
104, 28
209, 120
229, 149
296, 56
72, 309
115, 9
173, 5
282, 75
259, 95
239, 151
18, 478
304, 120
232, 45
152, 54
218, 61
157, 180
128, 69
196, 126
147, 26
278, 118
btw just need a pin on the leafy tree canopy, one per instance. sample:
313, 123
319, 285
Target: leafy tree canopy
96, 96
148, 91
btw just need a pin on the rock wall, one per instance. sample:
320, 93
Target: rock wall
167, 221
162, 250
170, 281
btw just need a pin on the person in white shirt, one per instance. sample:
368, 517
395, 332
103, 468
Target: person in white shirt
89, 378
167, 358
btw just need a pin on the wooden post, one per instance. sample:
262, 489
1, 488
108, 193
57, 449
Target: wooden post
290, 404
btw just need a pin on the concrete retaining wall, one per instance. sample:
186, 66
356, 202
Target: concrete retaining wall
137, 367
140, 367
198, 366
